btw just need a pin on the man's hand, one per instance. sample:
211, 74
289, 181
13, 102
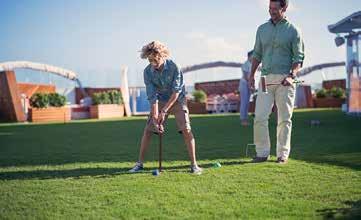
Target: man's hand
292, 76
161, 117
288, 81
159, 127
251, 82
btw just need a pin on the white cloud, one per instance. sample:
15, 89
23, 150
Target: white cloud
195, 35
219, 44
215, 47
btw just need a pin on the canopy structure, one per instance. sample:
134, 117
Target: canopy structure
10, 102
68, 74
302, 72
210, 65
347, 25
349, 30
11, 66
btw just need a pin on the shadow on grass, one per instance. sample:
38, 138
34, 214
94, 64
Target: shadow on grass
353, 212
202, 165
62, 174
96, 172
335, 160
217, 137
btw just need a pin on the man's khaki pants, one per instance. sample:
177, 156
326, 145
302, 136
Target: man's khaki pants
284, 96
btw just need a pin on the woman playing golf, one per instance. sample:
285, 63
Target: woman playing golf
166, 94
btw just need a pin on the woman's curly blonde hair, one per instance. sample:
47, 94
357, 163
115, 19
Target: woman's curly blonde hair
155, 48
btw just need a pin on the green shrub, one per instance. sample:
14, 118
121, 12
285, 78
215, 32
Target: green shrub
115, 97
322, 93
96, 98
337, 92
56, 100
107, 97
199, 96
44, 100
104, 96
39, 100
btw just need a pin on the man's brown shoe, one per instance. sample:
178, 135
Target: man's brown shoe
281, 160
259, 159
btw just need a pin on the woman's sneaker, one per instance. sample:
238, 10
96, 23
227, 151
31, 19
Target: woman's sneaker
196, 170
137, 168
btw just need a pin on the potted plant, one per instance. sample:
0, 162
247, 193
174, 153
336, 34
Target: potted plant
333, 98
108, 104
197, 105
48, 107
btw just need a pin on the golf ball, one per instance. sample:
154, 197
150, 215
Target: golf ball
217, 165
155, 172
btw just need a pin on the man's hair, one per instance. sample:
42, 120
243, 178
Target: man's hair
154, 48
283, 3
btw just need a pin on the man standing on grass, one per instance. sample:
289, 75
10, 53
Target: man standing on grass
244, 90
280, 49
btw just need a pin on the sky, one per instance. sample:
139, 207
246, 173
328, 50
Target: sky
96, 38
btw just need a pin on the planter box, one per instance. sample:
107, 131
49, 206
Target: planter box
197, 108
106, 111
328, 102
51, 114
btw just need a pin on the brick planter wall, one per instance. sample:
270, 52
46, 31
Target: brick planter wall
328, 102
196, 107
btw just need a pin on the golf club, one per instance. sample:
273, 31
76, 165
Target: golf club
160, 151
